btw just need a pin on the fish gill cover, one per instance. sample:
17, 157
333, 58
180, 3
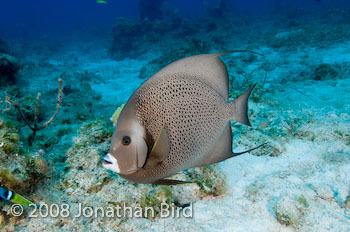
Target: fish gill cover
54, 135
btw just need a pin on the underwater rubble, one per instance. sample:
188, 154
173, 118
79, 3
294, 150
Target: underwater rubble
9, 65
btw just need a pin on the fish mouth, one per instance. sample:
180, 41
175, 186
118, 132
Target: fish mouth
107, 161
111, 163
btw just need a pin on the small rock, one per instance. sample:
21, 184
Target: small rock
2, 220
324, 192
287, 212
9, 66
41, 165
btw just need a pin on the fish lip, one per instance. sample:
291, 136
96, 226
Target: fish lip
107, 162
107, 159
111, 163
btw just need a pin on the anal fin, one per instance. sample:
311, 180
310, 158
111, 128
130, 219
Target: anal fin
171, 182
221, 150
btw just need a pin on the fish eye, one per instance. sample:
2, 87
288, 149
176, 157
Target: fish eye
126, 140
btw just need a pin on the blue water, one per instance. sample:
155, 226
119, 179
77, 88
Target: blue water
22, 19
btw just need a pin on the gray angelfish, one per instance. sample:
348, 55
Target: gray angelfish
178, 119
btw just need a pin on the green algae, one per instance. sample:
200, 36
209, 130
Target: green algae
9, 137
155, 198
210, 179
302, 200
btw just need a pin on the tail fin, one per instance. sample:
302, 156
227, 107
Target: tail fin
252, 149
240, 107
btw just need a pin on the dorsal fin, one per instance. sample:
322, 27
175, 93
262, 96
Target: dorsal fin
208, 68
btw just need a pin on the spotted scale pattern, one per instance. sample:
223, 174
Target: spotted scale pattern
193, 115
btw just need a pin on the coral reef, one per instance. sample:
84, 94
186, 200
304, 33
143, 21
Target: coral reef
19, 170
299, 181
9, 66
116, 114
35, 127
126, 38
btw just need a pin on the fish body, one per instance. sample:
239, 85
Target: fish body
13, 197
181, 116
101, 1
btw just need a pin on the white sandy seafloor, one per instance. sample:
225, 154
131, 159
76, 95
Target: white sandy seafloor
313, 163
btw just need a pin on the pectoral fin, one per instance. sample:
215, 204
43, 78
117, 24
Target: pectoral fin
159, 151
171, 182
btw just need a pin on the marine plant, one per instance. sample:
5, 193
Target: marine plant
302, 200
35, 127
154, 199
